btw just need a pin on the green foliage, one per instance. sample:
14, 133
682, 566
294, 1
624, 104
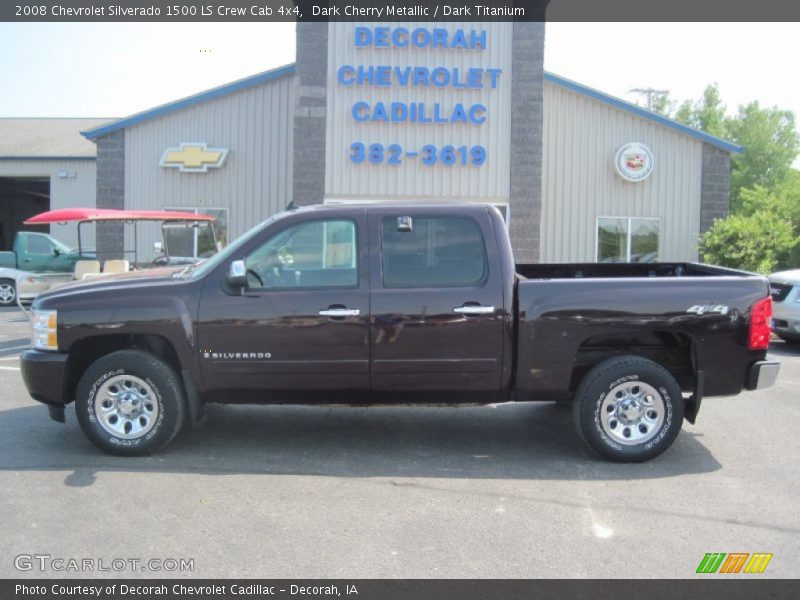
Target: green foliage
771, 143
762, 242
708, 114
768, 135
763, 230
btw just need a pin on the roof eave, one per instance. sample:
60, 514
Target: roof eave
164, 109
643, 112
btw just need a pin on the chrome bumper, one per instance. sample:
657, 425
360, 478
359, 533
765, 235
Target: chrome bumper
763, 374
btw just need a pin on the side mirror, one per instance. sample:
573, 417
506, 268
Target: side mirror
158, 248
56, 252
237, 275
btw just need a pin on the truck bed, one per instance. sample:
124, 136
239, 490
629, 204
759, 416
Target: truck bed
568, 311
610, 270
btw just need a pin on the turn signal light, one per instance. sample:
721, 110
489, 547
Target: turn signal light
760, 324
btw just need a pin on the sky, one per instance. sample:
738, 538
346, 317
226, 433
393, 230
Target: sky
116, 69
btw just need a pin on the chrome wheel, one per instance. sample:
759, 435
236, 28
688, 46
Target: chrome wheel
632, 412
126, 406
8, 293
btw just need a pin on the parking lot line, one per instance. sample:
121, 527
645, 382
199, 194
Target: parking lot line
9, 368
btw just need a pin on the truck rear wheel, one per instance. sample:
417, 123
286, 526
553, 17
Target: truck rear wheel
130, 403
628, 409
8, 292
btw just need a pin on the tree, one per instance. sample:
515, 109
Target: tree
707, 114
770, 143
768, 136
761, 242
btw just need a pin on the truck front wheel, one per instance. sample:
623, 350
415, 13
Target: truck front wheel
130, 403
8, 292
628, 409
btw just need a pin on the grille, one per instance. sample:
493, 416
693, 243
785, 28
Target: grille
779, 291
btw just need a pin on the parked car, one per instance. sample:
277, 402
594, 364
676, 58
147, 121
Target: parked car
399, 303
35, 253
784, 287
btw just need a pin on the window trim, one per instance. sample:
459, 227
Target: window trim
628, 235
323, 220
475, 285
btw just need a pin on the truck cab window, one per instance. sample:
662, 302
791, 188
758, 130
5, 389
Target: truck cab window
437, 252
38, 244
317, 254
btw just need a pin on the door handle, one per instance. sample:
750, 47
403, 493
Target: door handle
474, 310
339, 312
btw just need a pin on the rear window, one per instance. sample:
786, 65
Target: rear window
435, 252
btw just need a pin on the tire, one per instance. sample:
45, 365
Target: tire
130, 403
628, 409
8, 292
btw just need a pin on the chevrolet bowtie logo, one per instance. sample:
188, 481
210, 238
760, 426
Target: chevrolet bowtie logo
193, 157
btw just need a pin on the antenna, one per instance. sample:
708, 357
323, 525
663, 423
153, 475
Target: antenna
650, 94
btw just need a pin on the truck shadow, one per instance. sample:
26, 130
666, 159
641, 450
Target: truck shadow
522, 441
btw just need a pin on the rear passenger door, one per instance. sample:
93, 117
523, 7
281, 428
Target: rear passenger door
436, 303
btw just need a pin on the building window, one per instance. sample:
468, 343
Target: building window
196, 242
432, 252
627, 239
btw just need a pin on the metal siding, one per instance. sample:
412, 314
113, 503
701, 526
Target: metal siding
412, 179
581, 136
74, 192
255, 182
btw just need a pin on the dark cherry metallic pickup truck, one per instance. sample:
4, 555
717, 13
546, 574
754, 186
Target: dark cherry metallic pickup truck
404, 304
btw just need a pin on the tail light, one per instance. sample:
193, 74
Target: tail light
760, 327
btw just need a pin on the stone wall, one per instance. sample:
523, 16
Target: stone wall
715, 186
526, 140
110, 192
311, 70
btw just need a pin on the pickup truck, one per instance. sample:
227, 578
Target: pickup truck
398, 304
34, 253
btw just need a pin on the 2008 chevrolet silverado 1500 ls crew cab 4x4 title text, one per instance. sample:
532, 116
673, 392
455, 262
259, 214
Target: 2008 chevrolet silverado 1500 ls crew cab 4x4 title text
401, 303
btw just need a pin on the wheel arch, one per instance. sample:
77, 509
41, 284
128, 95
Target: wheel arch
86, 351
675, 352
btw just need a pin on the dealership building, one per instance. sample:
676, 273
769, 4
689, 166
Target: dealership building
414, 111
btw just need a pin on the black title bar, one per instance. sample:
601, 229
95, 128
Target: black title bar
709, 588
397, 10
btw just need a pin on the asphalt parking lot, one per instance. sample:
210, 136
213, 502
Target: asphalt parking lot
505, 491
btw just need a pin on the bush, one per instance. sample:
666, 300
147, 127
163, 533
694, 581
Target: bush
762, 242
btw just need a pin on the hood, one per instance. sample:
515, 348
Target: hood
791, 277
146, 277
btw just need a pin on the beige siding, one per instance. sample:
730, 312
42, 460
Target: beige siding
255, 124
412, 179
65, 192
581, 136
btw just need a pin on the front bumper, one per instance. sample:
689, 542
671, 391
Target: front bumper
762, 374
44, 374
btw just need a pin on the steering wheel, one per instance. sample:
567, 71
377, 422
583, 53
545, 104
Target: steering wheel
160, 261
251, 274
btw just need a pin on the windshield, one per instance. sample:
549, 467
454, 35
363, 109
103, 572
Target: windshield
200, 269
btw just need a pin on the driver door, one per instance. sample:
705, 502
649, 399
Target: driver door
301, 324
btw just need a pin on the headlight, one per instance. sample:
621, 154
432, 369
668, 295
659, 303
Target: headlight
44, 329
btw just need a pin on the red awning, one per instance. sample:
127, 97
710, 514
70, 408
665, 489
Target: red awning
80, 215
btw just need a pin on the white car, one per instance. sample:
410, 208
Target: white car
784, 287
22, 286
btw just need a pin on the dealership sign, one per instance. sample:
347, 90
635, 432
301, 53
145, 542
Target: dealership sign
444, 87
634, 162
193, 157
